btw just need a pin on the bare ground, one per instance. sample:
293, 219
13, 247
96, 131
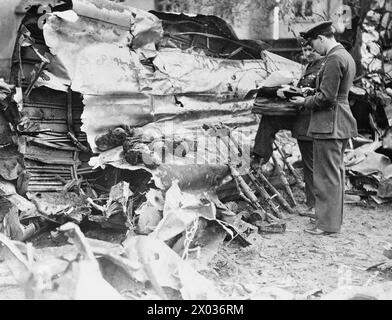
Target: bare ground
293, 261
300, 262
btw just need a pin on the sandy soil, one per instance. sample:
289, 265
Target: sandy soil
293, 261
300, 262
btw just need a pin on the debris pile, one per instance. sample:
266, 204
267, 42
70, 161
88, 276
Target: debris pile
112, 130
141, 268
369, 164
144, 129
71, 132
368, 38
369, 171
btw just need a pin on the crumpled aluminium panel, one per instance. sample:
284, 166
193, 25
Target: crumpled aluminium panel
109, 69
100, 67
125, 81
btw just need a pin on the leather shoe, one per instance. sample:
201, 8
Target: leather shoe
317, 232
256, 161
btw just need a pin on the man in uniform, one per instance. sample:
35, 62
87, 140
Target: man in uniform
331, 126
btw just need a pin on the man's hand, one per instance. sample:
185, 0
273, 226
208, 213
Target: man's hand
298, 100
307, 91
280, 92
5, 87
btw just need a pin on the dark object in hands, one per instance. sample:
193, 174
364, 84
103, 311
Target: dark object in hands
292, 92
276, 107
271, 92
267, 104
268, 92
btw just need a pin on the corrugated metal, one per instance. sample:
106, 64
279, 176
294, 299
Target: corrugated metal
51, 157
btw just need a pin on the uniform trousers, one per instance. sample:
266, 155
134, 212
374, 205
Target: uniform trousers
329, 182
306, 149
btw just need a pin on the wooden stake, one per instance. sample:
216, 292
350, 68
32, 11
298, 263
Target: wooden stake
284, 180
250, 194
276, 193
266, 196
297, 176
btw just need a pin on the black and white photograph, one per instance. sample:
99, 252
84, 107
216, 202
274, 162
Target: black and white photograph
195, 155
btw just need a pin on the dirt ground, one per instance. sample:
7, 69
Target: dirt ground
300, 262
294, 261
